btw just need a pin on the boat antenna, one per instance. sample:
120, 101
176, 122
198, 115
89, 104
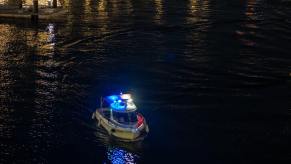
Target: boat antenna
101, 102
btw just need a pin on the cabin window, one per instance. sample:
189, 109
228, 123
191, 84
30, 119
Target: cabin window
125, 118
106, 114
105, 104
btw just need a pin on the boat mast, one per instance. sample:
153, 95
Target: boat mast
101, 103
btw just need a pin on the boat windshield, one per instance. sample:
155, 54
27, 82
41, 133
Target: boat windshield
125, 118
106, 114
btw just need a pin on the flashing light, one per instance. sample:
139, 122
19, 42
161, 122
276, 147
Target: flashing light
125, 96
118, 106
129, 100
120, 102
112, 98
140, 120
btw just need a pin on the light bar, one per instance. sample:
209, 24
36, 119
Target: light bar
125, 96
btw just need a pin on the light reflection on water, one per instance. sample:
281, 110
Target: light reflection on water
159, 11
30, 86
209, 77
120, 156
51, 38
118, 152
30, 2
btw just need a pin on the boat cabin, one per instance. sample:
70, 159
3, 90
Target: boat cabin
119, 109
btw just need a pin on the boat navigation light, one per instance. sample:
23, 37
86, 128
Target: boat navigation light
129, 100
125, 96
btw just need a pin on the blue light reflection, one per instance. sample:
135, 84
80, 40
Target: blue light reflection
120, 156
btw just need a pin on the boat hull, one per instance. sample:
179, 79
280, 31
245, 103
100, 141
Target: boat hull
127, 134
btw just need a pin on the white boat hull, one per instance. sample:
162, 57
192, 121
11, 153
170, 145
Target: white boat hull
120, 132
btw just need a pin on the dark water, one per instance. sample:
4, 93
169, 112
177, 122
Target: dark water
211, 77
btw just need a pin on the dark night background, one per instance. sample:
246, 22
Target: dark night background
212, 78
